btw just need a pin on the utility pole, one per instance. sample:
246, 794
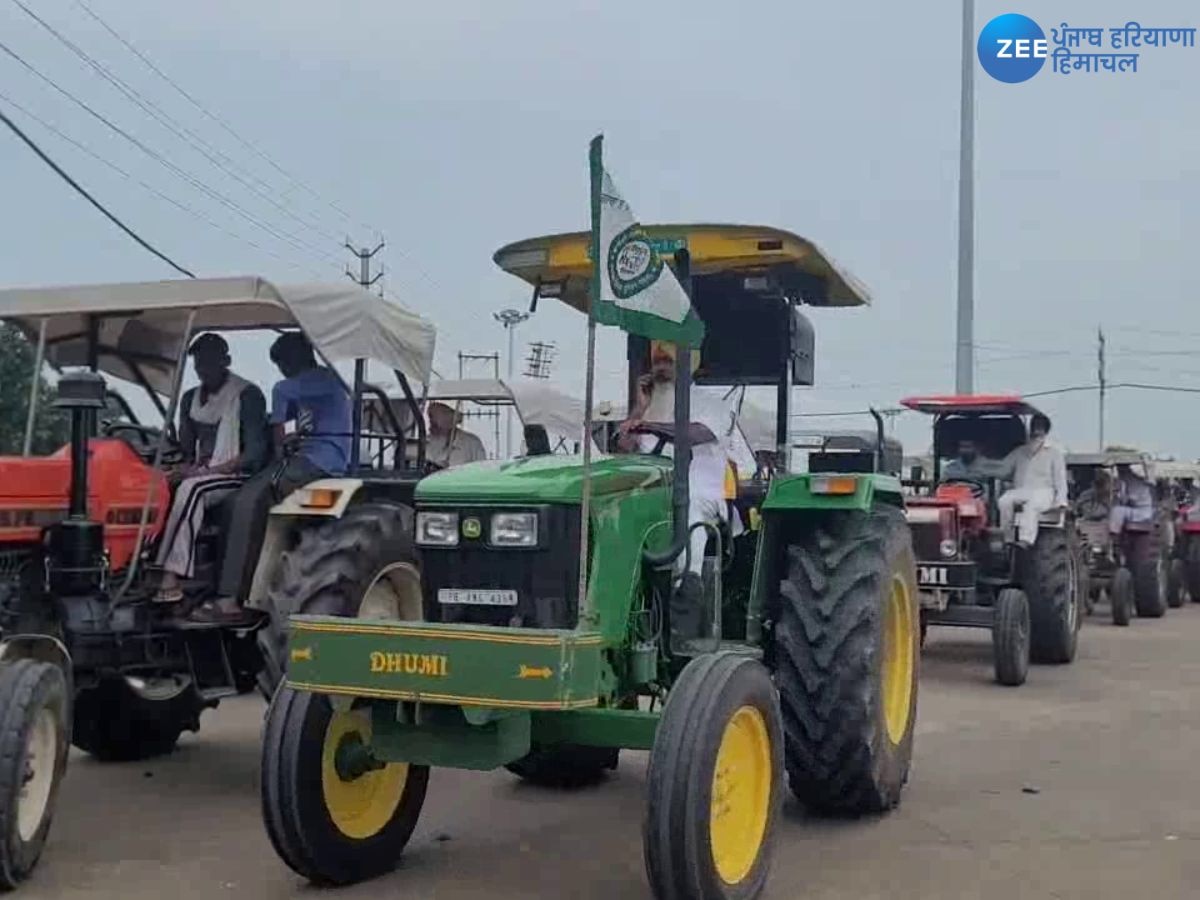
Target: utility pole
964, 368
365, 280
510, 319
1100, 374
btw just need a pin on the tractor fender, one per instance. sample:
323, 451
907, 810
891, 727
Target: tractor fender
831, 491
325, 497
40, 647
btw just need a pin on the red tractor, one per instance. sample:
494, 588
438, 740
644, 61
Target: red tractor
970, 573
86, 656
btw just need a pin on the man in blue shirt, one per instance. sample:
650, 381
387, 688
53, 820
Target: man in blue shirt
316, 400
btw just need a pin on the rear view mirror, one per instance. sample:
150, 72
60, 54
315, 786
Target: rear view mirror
803, 350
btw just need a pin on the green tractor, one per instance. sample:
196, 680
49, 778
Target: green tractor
807, 667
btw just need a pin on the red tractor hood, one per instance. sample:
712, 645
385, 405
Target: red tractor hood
34, 493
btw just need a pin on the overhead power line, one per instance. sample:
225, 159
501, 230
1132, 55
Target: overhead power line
229, 129
156, 156
262, 189
32, 145
149, 188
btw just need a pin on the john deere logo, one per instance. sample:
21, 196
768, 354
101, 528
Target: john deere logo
471, 528
633, 264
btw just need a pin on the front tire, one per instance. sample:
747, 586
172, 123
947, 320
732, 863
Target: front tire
1148, 592
713, 785
1192, 564
1011, 643
363, 564
1052, 589
34, 722
115, 723
1120, 596
329, 823
846, 652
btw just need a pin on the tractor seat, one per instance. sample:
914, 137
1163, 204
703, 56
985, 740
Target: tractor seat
1139, 527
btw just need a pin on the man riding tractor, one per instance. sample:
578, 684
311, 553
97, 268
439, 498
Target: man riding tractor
991, 558
546, 652
86, 652
1121, 532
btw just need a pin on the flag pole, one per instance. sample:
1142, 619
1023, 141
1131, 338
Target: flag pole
586, 616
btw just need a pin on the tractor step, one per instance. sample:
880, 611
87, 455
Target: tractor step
452, 664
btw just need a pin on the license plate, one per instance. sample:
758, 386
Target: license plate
470, 597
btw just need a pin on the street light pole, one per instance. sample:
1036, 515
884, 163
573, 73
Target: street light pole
510, 319
964, 368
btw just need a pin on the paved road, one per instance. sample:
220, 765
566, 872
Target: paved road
1081, 784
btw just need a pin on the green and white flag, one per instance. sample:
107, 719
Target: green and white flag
632, 288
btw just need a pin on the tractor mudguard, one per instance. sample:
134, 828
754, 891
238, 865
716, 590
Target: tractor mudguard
831, 491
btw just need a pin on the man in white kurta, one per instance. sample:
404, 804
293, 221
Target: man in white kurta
1039, 473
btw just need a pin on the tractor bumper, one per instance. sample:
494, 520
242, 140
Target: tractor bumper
453, 665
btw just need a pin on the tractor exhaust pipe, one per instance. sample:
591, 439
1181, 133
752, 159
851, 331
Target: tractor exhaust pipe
75, 546
82, 393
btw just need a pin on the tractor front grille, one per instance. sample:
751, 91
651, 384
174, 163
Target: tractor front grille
927, 540
546, 578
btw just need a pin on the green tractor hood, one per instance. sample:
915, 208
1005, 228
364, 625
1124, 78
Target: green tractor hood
543, 479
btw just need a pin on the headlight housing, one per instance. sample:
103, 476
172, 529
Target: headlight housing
437, 529
948, 548
513, 529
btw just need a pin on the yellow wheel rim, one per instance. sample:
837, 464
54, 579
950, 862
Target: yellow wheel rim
362, 806
741, 795
899, 658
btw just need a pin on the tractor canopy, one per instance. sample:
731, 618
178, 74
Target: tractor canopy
135, 331
995, 422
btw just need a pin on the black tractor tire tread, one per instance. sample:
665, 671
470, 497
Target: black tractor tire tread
1011, 637
1120, 597
1192, 566
26, 686
1050, 592
1176, 584
677, 811
1149, 592
827, 645
298, 827
113, 724
326, 573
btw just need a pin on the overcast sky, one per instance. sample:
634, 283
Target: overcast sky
452, 128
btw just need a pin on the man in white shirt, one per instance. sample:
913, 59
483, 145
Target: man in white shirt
706, 475
447, 444
1134, 503
1039, 473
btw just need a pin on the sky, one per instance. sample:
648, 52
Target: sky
451, 129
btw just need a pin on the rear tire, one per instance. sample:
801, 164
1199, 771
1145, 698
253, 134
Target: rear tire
114, 723
1192, 565
845, 654
1011, 643
1176, 589
363, 564
1148, 590
1052, 589
1120, 596
327, 826
713, 785
34, 723
565, 765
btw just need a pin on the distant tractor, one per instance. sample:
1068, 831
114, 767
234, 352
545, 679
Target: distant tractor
1131, 571
973, 575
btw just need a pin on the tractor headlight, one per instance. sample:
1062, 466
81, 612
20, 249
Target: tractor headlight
948, 548
437, 529
514, 529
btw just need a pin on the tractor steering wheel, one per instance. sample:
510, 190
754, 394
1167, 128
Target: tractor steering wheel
142, 440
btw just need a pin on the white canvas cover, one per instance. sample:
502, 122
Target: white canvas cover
536, 403
144, 322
